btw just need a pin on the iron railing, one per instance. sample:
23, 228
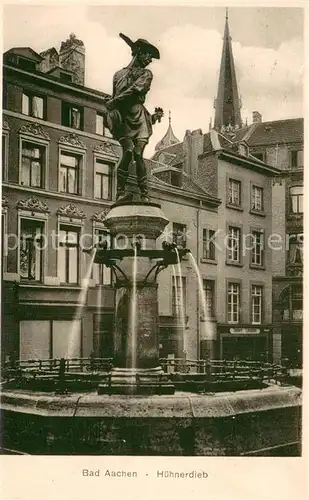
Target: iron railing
177, 368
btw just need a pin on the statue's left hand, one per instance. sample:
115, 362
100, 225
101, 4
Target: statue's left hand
158, 114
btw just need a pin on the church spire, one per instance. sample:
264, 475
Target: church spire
169, 137
227, 104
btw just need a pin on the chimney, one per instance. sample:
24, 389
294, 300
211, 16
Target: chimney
256, 117
72, 58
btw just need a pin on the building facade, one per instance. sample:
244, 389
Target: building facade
234, 260
281, 144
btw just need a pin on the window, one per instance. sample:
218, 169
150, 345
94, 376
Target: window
256, 304
209, 249
297, 302
233, 303
257, 252
4, 249
233, 247
100, 128
103, 335
103, 180
72, 116
44, 339
257, 199
296, 196
99, 124
69, 173
26, 64
259, 156
209, 289
33, 105
176, 178
179, 296
179, 235
295, 250
292, 303
4, 157
32, 160
101, 273
68, 254
65, 77
234, 195
30, 251
296, 158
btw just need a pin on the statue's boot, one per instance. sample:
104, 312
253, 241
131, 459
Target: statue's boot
122, 195
142, 184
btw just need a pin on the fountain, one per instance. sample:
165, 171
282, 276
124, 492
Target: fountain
133, 404
136, 364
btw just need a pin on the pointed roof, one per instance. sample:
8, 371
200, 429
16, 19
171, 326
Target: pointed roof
227, 104
169, 137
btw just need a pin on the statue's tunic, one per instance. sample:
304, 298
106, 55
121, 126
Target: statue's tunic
129, 118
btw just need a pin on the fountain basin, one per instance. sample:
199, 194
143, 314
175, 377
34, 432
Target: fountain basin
262, 422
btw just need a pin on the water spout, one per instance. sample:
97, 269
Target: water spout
202, 296
181, 295
74, 335
132, 319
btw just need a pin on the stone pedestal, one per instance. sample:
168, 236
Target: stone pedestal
136, 347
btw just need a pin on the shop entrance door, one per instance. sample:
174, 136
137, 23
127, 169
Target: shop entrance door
244, 348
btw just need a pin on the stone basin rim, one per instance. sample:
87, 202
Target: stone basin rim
179, 405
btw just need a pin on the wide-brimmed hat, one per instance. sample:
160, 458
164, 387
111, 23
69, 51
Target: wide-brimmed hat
141, 45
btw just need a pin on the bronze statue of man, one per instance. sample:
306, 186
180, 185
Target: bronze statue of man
128, 119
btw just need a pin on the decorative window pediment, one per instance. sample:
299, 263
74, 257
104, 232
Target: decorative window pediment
34, 130
33, 204
105, 148
72, 140
5, 201
100, 216
71, 211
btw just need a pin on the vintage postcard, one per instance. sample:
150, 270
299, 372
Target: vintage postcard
152, 233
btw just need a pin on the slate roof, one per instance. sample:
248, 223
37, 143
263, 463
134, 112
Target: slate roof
277, 132
174, 149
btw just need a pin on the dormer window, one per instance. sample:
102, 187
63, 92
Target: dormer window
65, 77
26, 64
33, 105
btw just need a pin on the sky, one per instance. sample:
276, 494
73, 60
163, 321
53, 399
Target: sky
267, 43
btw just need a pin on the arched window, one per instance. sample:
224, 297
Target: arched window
296, 197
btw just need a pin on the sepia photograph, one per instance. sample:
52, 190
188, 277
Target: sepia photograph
152, 233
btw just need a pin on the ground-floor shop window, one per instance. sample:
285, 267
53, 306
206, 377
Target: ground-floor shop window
45, 339
246, 348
